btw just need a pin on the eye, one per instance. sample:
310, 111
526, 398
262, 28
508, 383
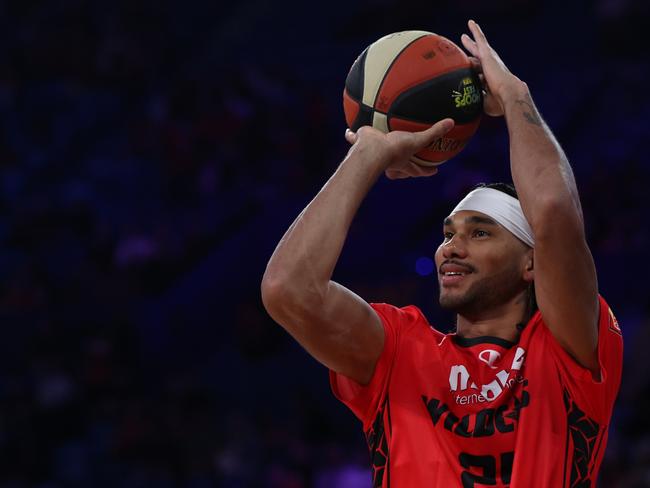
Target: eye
448, 235
481, 233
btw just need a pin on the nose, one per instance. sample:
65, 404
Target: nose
454, 248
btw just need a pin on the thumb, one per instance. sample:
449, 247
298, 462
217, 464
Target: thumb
350, 136
437, 130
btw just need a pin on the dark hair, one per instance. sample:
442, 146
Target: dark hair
509, 189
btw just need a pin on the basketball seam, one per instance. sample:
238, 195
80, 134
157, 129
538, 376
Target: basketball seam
390, 114
361, 104
383, 79
360, 63
424, 122
456, 67
397, 56
362, 75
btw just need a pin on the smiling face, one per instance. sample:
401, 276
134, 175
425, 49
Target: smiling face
481, 265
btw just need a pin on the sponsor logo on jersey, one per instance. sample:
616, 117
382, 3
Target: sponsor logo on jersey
489, 357
466, 392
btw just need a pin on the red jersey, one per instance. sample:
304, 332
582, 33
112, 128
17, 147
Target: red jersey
446, 411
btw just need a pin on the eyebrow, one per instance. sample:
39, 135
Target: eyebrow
473, 219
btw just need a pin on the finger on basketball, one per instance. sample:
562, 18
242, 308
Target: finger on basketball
469, 44
477, 32
350, 136
484, 84
476, 64
437, 130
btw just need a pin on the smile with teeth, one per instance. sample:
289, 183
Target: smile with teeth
453, 274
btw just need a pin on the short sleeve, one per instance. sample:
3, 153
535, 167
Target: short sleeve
596, 397
365, 400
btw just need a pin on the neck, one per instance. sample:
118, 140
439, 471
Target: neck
500, 321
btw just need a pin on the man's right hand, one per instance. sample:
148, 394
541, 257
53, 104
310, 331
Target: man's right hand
395, 149
499, 83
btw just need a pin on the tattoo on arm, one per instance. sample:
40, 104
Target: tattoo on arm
531, 114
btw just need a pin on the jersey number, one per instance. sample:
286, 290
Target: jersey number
489, 466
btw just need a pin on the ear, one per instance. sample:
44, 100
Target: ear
529, 270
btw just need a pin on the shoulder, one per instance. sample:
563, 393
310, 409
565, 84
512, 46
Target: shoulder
408, 317
606, 319
609, 346
407, 313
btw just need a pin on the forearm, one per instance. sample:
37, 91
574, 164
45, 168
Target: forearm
304, 260
540, 169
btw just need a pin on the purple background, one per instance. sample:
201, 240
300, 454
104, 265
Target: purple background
152, 153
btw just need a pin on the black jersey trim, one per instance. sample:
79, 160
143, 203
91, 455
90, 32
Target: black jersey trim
599, 444
473, 341
584, 434
566, 456
390, 431
378, 446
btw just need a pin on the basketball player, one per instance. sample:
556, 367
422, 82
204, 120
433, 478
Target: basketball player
521, 394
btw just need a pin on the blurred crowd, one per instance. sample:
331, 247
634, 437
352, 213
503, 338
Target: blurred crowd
152, 154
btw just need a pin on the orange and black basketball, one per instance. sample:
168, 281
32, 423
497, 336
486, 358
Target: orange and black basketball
410, 80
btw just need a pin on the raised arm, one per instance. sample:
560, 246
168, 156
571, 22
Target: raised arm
333, 324
565, 276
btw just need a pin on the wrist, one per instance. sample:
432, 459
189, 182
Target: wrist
518, 90
370, 155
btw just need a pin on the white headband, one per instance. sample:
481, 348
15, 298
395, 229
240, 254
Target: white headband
503, 208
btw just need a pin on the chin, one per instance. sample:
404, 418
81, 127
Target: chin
449, 301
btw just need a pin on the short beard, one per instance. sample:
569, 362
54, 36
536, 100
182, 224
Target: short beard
486, 294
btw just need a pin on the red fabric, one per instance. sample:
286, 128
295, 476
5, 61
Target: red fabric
441, 411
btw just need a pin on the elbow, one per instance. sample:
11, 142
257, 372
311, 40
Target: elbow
283, 297
274, 292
